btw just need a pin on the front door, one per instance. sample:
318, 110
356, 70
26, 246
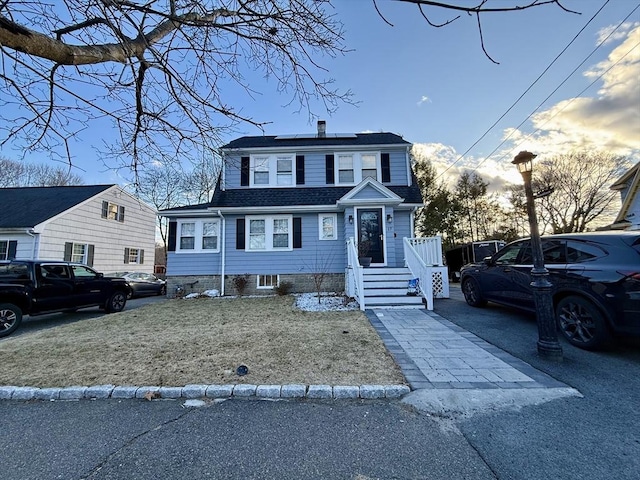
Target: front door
370, 228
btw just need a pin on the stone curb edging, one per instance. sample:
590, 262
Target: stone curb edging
205, 391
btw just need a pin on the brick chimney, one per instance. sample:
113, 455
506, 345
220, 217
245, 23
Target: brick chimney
322, 129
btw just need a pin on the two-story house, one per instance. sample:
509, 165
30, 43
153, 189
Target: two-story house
99, 225
285, 208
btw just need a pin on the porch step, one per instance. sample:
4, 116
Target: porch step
387, 288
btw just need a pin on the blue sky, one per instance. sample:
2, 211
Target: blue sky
436, 87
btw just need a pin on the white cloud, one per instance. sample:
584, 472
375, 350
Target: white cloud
424, 99
498, 170
609, 121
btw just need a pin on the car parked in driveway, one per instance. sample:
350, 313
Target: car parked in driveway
595, 278
143, 284
37, 287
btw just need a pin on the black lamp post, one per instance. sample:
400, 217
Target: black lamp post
548, 345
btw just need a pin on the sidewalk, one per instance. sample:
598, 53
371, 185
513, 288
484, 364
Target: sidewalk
434, 353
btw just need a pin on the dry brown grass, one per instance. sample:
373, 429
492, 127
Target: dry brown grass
203, 341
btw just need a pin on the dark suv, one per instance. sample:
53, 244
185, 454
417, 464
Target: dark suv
595, 277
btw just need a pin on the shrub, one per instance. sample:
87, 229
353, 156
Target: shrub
284, 288
240, 283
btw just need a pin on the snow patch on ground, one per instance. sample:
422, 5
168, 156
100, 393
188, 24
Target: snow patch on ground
329, 301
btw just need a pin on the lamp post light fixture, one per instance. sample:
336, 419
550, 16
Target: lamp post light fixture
548, 345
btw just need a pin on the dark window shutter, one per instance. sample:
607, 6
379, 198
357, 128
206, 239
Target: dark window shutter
299, 169
105, 209
141, 259
90, 252
329, 159
240, 234
386, 168
68, 248
297, 232
244, 172
121, 214
126, 255
11, 252
171, 238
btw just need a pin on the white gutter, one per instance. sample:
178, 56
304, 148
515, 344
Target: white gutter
222, 251
33, 235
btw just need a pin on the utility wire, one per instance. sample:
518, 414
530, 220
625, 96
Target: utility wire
558, 87
559, 111
525, 92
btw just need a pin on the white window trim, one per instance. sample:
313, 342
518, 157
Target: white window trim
357, 167
268, 227
85, 255
199, 224
322, 216
267, 287
272, 162
137, 258
5, 256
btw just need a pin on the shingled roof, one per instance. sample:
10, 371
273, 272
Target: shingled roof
26, 207
302, 141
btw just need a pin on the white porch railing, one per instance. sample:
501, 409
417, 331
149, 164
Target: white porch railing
354, 281
423, 257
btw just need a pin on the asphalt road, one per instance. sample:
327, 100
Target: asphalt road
595, 437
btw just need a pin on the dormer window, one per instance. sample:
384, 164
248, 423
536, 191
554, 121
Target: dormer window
271, 170
352, 168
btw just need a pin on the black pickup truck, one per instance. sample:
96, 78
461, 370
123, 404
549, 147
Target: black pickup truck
37, 287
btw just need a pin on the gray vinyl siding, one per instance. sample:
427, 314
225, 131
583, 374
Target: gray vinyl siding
398, 166
84, 224
26, 244
315, 254
402, 225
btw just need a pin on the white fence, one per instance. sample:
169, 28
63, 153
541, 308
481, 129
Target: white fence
423, 257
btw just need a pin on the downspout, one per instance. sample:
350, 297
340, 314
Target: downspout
222, 251
34, 242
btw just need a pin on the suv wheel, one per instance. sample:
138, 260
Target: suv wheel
116, 302
10, 318
582, 323
472, 294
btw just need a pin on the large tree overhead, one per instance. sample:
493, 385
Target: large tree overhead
163, 71
581, 197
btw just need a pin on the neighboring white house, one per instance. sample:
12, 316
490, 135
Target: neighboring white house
628, 185
100, 225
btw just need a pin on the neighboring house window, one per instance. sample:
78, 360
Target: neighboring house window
269, 233
112, 211
8, 249
79, 253
134, 255
198, 236
268, 281
327, 224
272, 170
353, 168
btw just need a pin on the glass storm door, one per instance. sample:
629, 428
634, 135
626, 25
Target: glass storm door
370, 228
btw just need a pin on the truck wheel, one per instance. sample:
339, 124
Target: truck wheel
116, 302
10, 318
472, 293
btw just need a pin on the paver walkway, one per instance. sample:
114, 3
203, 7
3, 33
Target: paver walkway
435, 353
